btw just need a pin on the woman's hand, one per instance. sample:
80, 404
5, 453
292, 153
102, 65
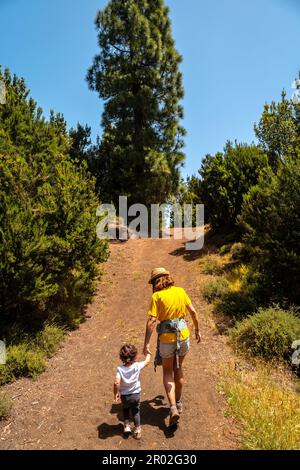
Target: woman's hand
146, 350
194, 316
198, 336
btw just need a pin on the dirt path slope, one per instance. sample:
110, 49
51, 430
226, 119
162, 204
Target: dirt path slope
70, 405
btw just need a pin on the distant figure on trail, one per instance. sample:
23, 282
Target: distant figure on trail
168, 306
127, 387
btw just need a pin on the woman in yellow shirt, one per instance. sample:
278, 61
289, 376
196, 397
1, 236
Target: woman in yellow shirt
168, 307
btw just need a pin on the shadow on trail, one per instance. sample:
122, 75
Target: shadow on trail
191, 255
153, 413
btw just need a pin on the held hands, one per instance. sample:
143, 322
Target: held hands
146, 350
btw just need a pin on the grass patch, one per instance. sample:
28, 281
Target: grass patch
215, 289
5, 405
267, 407
236, 277
212, 265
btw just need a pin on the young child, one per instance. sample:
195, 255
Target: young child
127, 387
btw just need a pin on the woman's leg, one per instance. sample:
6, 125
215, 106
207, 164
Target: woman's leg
178, 378
168, 378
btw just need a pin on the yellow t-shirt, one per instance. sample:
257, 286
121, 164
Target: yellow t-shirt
168, 304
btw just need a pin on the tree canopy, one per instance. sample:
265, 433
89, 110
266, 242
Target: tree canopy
136, 73
48, 245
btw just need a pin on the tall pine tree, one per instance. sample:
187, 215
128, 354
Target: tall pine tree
137, 75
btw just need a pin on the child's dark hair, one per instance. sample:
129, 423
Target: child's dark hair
128, 353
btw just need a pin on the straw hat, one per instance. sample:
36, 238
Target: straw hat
158, 272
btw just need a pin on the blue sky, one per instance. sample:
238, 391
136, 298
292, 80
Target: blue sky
237, 54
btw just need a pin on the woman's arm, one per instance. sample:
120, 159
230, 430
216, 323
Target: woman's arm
194, 316
151, 322
148, 359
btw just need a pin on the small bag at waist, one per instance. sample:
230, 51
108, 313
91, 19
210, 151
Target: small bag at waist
171, 326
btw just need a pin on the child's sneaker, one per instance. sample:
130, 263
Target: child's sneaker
174, 416
137, 433
127, 428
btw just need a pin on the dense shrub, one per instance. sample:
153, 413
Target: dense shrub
215, 289
239, 252
5, 405
271, 220
236, 304
27, 354
49, 339
23, 361
225, 179
268, 333
224, 249
48, 245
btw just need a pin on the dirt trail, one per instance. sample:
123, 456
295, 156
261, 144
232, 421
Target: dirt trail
70, 405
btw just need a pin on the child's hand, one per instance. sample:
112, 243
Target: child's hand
117, 398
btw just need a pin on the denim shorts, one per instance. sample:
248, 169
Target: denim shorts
167, 350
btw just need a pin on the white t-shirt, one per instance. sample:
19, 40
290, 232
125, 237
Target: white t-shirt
130, 378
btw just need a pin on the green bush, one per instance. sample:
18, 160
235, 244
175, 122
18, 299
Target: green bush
268, 333
236, 304
5, 405
224, 249
230, 237
215, 289
49, 339
239, 252
49, 250
6, 374
212, 265
271, 220
26, 354
22, 361
225, 179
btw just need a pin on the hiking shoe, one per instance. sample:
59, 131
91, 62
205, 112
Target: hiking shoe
174, 417
127, 428
137, 433
179, 407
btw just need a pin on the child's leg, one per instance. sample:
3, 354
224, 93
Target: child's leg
126, 409
135, 410
136, 415
126, 414
133, 402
